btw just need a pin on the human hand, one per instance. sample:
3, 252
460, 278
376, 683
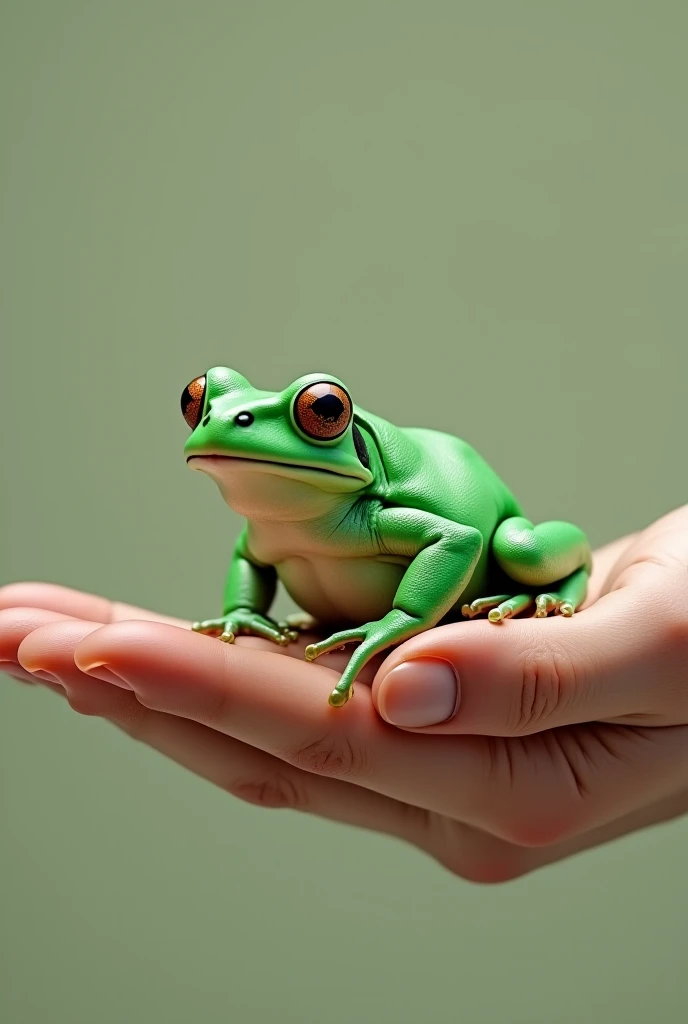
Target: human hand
568, 733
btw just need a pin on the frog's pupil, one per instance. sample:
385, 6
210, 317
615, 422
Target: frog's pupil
187, 399
328, 407
360, 446
244, 419
192, 401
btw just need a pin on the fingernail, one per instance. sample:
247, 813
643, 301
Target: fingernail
106, 675
419, 692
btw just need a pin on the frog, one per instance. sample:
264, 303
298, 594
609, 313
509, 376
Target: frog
377, 532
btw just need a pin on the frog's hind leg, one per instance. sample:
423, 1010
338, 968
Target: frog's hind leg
541, 556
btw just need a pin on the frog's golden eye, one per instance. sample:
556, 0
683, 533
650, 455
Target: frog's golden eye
323, 411
192, 401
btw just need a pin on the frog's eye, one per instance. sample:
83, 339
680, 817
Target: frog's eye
192, 401
323, 411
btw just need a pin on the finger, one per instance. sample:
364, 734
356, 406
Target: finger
274, 703
256, 777
15, 625
484, 863
623, 659
604, 563
16, 672
663, 544
79, 605
259, 778
667, 809
522, 792
244, 771
75, 603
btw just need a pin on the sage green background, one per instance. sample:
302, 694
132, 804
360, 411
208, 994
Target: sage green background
473, 213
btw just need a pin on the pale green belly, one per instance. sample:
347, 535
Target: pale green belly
343, 590
354, 590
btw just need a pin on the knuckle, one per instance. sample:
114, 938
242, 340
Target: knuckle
275, 791
547, 684
333, 755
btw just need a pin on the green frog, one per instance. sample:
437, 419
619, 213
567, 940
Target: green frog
377, 532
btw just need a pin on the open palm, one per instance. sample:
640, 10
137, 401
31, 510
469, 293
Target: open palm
569, 732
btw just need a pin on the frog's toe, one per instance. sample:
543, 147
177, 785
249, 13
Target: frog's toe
334, 642
566, 596
545, 604
227, 636
288, 630
338, 698
483, 604
514, 606
210, 627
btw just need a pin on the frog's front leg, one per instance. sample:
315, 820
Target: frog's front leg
444, 557
249, 592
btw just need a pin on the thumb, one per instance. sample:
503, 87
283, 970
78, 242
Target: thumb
622, 659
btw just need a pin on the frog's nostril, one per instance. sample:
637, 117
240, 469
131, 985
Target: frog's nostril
243, 419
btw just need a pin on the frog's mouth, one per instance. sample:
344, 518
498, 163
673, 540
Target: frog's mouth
223, 467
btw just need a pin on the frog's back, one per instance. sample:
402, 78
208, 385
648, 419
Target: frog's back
441, 474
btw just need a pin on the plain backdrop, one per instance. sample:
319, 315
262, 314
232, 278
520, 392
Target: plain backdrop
475, 215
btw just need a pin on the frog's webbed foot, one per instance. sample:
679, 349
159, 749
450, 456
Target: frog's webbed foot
504, 607
372, 637
563, 599
245, 622
336, 642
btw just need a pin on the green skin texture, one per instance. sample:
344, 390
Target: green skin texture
426, 535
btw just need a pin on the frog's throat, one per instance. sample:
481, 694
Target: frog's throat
223, 467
